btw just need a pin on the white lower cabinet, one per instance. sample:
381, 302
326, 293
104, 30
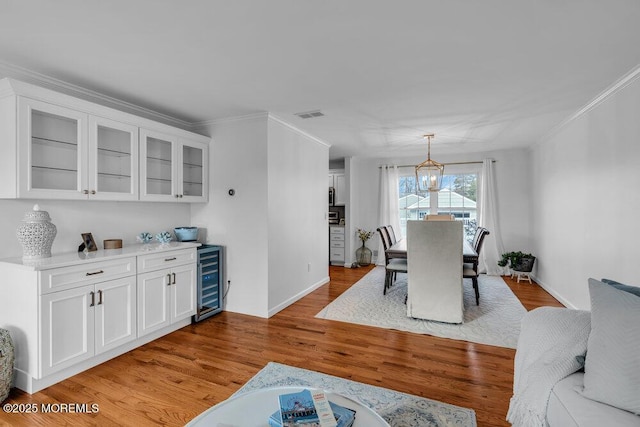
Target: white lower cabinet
69, 312
67, 329
166, 296
79, 323
115, 313
336, 245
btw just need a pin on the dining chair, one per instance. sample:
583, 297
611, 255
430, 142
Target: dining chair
392, 265
387, 236
476, 236
391, 238
470, 270
391, 234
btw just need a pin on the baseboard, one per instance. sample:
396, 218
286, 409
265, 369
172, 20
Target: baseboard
554, 293
298, 296
25, 382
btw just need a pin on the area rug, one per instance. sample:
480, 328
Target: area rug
398, 409
496, 321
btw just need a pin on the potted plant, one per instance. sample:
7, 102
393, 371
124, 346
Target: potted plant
363, 253
518, 261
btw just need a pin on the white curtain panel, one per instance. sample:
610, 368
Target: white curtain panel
388, 213
492, 247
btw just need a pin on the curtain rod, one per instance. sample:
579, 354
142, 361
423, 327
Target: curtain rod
446, 164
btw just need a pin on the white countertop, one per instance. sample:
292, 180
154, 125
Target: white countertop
71, 258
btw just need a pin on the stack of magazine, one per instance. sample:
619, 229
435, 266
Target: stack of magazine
310, 409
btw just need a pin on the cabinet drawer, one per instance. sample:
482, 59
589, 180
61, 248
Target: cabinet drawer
336, 244
336, 254
336, 237
167, 259
59, 279
336, 230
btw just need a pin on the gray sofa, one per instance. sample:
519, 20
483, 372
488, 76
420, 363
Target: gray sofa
580, 368
567, 407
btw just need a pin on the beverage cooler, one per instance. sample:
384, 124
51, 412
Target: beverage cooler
210, 278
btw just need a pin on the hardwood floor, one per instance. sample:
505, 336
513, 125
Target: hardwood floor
173, 379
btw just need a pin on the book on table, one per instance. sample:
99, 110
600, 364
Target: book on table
307, 408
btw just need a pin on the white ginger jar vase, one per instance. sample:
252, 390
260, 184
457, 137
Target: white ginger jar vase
36, 234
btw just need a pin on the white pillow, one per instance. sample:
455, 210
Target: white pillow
612, 365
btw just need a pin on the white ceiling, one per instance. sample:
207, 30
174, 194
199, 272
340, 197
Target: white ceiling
481, 75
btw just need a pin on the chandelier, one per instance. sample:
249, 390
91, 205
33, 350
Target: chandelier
429, 173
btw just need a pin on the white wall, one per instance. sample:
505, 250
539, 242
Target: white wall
364, 179
275, 225
298, 232
237, 159
513, 188
105, 220
586, 199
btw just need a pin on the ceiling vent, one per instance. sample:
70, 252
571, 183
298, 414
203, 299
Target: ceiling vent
309, 114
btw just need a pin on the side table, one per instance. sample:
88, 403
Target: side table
253, 409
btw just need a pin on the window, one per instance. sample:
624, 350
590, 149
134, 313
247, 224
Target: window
457, 197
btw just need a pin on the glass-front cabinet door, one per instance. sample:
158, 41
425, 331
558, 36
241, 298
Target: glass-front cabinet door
52, 144
157, 166
113, 160
193, 171
172, 168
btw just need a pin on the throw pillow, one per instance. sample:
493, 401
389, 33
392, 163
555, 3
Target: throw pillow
631, 289
612, 365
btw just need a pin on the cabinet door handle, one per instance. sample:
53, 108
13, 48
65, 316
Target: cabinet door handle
93, 191
95, 272
168, 279
99, 297
93, 299
173, 275
85, 191
170, 259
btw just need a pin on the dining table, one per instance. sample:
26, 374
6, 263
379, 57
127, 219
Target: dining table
399, 250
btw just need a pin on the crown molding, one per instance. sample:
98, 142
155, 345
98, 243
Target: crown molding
620, 84
255, 116
297, 130
213, 122
33, 77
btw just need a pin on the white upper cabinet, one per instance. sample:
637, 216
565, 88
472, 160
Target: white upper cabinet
52, 160
192, 171
338, 181
59, 147
158, 170
172, 168
113, 160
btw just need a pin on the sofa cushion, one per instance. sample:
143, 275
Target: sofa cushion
550, 338
631, 289
569, 408
612, 365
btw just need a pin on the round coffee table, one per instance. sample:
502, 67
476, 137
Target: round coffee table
253, 409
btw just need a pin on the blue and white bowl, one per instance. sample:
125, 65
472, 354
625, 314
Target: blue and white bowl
186, 234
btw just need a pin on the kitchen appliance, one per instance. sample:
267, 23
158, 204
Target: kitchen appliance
186, 234
332, 196
334, 217
209, 293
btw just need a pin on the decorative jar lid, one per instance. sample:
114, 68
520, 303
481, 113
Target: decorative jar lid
36, 215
